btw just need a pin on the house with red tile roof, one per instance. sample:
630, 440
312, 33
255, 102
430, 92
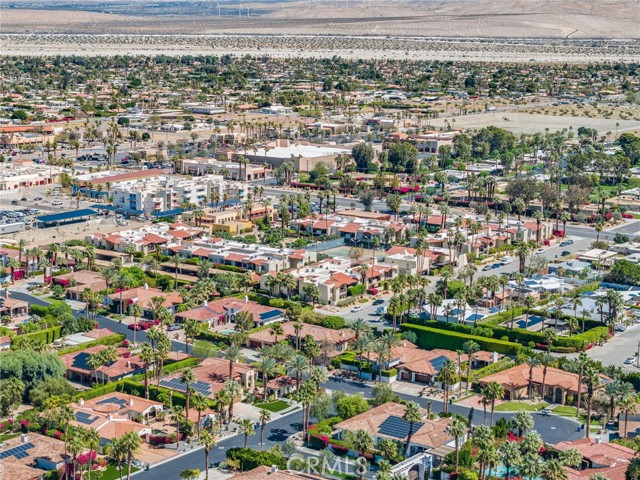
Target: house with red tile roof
142, 296
78, 365
338, 340
559, 386
608, 459
211, 375
386, 422
225, 310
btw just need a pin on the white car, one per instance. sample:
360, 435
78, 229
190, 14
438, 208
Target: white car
356, 309
630, 361
506, 260
540, 251
56, 202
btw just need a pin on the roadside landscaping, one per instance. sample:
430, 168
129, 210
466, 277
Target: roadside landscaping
275, 407
520, 407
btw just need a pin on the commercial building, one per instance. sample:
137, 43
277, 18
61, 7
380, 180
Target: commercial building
26, 174
304, 156
231, 170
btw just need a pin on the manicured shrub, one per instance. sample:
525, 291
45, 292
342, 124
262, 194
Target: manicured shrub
435, 338
249, 459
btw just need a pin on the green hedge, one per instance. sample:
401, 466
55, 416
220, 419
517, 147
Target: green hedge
496, 367
179, 365
357, 289
47, 336
214, 337
113, 339
392, 372
436, 338
250, 459
522, 336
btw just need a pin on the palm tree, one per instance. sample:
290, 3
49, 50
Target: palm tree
448, 375
275, 330
147, 356
362, 441
266, 366
246, 427
470, 348
200, 403
360, 327
523, 421
232, 354
64, 417
299, 365
116, 451
554, 470
92, 442
233, 390
76, 446
627, 404
208, 442
457, 429
493, 391
131, 444
265, 417
509, 452
592, 380
187, 377
177, 415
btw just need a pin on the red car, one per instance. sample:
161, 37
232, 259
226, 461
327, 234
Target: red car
135, 326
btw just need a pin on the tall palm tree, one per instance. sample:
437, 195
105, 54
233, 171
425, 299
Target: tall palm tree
265, 417
470, 348
187, 377
76, 446
298, 364
208, 442
509, 452
234, 391
64, 417
362, 441
266, 366
232, 354
177, 415
92, 442
592, 380
147, 356
131, 444
116, 451
200, 403
360, 327
493, 391
246, 427
448, 375
457, 429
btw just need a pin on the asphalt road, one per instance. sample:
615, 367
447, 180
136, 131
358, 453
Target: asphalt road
552, 429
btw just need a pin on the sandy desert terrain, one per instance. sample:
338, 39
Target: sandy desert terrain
512, 30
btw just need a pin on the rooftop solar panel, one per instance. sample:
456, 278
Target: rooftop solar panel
437, 362
17, 452
115, 400
85, 418
397, 427
270, 314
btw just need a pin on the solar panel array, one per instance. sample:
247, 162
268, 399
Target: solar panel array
85, 418
19, 452
437, 362
397, 427
270, 314
115, 400
81, 361
177, 384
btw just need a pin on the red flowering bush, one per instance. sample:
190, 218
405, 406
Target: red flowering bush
339, 449
324, 440
512, 437
57, 435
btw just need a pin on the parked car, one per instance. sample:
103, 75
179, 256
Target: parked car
37, 199
135, 326
630, 361
565, 253
486, 267
506, 260
357, 308
174, 327
496, 265
24, 199
379, 301
540, 251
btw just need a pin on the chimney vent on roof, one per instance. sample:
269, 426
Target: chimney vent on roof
274, 468
23, 438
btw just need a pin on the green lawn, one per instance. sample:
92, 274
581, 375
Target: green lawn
7, 436
111, 473
520, 406
569, 411
274, 407
203, 347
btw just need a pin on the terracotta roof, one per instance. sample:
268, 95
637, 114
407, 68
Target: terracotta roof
316, 331
605, 454
137, 175
201, 313
235, 257
153, 238
266, 473
518, 377
433, 433
350, 228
